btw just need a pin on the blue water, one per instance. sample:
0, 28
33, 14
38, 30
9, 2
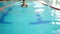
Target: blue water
20, 17
5, 3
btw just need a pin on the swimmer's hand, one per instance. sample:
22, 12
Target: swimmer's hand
24, 5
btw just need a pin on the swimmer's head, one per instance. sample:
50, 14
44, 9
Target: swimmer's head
24, 3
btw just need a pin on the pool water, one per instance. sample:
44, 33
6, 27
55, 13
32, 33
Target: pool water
21, 17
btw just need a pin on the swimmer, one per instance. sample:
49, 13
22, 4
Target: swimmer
24, 4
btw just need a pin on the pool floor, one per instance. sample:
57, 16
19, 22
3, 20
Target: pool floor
20, 17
